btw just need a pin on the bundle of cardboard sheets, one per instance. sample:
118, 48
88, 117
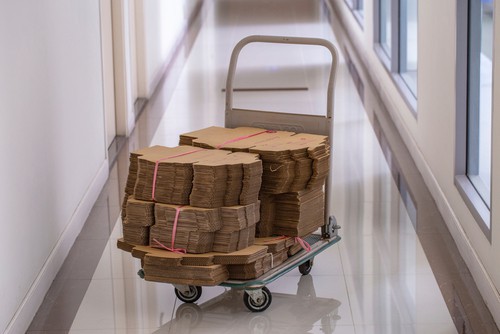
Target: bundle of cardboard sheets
210, 268
295, 167
212, 195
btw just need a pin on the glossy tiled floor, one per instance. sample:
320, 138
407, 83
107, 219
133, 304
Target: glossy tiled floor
380, 278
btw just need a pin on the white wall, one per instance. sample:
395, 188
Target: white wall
430, 136
52, 143
160, 26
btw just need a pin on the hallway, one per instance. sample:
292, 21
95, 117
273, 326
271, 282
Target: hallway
395, 271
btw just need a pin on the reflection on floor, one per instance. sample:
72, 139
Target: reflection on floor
388, 274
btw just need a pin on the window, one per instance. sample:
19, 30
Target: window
396, 26
474, 106
408, 44
357, 7
385, 26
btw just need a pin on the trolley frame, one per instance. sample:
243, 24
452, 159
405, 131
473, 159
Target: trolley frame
257, 296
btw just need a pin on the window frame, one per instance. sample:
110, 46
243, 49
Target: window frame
471, 197
392, 62
354, 6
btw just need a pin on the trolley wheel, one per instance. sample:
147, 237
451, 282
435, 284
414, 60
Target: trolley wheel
190, 296
141, 273
305, 268
256, 301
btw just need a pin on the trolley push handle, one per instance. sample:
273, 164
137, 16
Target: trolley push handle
282, 40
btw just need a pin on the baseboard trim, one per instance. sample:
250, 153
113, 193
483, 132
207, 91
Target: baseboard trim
483, 280
34, 298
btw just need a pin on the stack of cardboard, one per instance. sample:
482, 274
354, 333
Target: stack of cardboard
139, 219
198, 269
251, 270
238, 228
225, 179
299, 213
158, 271
132, 173
295, 167
277, 247
167, 175
221, 187
189, 228
291, 161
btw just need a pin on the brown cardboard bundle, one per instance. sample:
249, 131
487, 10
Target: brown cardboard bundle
124, 206
204, 178
134, 165
125, 246
251, 169
133, 169
291, 162
136, 235
187, 138
140, 213
291, 214
278, 258
190, 241
238, 228
236, 140
174, 259
194, 228
246, 255
157, 269
225, 179
238, 217
227, 242
188, 217
267, 214
299, 213
250, 270
209, 182
167, 176
275, 244
294, 249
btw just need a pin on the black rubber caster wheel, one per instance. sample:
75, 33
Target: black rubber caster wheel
261, 303
305, 268
190, 296
141, 273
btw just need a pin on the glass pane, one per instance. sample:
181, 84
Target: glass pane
385, 26
480, 96
408, 43
350, 3
360, 8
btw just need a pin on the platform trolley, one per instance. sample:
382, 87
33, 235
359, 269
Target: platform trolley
257, 296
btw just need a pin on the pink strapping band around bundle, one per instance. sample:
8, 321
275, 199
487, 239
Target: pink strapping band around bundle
303, 243
174, 231
244, 137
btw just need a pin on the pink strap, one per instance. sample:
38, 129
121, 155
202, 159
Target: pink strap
174, 231
162, 159
303, 243
178, 251
244, 137
281, 237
